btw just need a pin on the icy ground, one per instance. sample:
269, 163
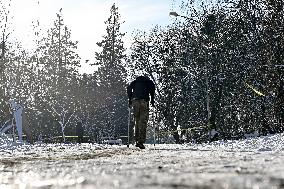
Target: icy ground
252, 163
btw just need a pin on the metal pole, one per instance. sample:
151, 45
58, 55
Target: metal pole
154, 127
129, 114
157, 126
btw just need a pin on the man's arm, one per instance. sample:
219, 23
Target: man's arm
130, 93
152, 92
129, 90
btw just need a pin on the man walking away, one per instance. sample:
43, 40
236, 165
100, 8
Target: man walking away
138, 94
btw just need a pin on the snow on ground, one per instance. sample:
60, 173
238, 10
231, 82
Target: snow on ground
256, 163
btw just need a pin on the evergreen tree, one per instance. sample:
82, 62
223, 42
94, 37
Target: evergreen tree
112, 99
58, 65
4, 60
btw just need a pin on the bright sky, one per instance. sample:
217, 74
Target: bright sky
86, 19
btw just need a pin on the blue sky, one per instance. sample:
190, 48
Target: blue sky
86, 19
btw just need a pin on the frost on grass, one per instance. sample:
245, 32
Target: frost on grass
57, 152
249, 163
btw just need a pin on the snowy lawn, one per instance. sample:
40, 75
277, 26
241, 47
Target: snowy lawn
251, 163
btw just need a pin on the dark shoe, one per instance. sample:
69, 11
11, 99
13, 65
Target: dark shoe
140, 145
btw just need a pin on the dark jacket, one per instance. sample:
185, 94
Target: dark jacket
140, 88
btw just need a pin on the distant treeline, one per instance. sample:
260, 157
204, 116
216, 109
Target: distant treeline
219, 67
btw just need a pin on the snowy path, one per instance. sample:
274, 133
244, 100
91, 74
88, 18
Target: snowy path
252, 163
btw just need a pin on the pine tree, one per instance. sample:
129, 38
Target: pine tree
58, 65
111, 76
4, 108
